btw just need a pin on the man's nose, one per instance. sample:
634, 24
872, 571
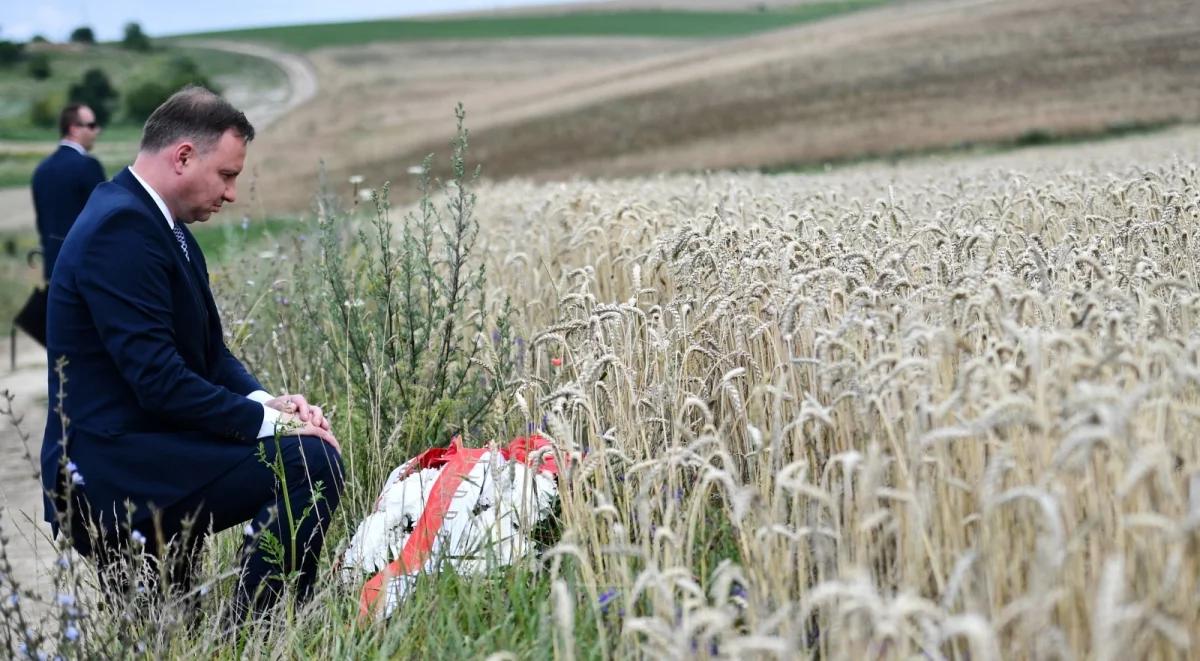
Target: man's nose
230, 195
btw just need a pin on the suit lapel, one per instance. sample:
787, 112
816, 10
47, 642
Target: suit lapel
198, 270
126, 179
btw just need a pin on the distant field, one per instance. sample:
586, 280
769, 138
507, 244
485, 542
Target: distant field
902, 78
681, 24
23, 145
125, 69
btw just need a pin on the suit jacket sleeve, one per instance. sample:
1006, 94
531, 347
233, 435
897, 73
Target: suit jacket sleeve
124, 279
230, 372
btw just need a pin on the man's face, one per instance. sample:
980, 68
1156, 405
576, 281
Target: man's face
85, 129
210, 179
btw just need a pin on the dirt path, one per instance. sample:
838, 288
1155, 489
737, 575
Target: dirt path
28, 547
16, 209
263, 109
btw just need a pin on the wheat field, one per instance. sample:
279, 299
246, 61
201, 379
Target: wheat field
944, 410
948, 412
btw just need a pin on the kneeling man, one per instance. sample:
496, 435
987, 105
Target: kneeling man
165, 427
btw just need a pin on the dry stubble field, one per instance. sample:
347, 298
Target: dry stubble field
911, 76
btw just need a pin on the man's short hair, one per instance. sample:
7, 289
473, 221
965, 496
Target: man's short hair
68, 117
197, 114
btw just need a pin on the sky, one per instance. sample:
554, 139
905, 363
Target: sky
55, 19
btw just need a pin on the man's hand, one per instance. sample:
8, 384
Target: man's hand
298, 406
291, 425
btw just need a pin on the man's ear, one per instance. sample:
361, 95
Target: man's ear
182, 155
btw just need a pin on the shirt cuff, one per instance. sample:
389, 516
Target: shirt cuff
260, 396
270, 418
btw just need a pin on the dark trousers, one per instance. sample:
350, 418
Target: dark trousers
295, 511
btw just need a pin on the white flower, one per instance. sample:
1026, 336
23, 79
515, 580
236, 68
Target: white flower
416, 169
138, 538
248, 530
356, 179
77, 479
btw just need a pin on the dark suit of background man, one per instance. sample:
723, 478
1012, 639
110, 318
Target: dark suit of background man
63, 182
161, 415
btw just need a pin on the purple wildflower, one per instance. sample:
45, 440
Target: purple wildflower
606, 599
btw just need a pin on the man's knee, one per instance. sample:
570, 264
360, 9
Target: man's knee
314, 461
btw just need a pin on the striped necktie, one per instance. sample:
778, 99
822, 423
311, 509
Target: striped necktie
182, 241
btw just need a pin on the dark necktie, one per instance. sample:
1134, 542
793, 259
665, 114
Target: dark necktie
182, 241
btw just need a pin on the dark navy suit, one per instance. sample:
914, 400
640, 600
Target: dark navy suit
61, 186
156, 404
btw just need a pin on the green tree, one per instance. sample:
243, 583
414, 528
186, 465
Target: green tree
97, 92
10, 53
83, 35
39, 66
44, 111
135, 39
145, 97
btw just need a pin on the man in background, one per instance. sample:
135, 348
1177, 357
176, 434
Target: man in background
63, 181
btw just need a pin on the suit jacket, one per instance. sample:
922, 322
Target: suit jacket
155, 402
61, 186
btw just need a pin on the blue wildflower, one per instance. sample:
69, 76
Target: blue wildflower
606, 599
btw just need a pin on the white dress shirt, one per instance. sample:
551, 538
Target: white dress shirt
270, 415
77, 147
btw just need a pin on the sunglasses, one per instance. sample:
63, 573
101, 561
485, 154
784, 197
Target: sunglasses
90, 125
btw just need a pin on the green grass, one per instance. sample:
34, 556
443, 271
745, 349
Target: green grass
26, 133
230, 69
16, 167
117, 144
17, 278
220, 239
635, 23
